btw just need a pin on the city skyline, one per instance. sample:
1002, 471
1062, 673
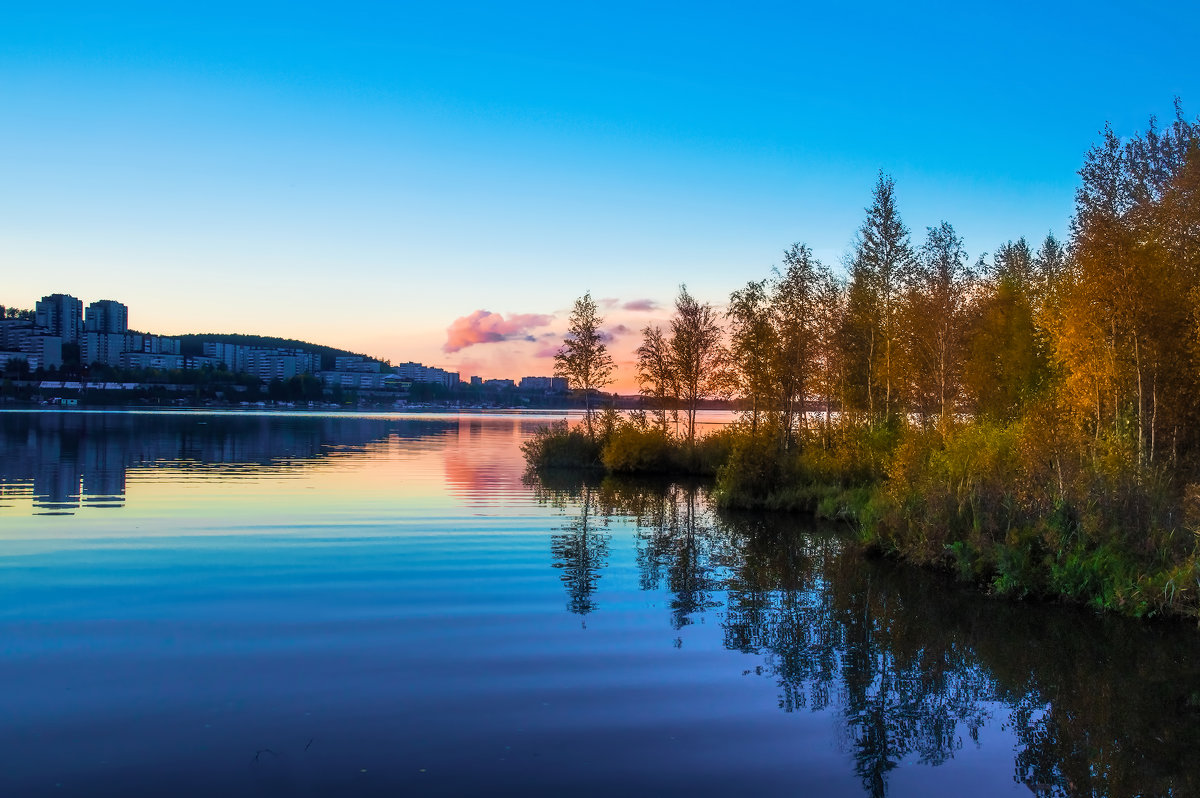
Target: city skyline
439, 184
104, 338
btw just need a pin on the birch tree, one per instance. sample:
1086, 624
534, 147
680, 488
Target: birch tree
583, 358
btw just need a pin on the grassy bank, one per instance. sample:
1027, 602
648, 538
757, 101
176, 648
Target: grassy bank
1028, 509
627, 444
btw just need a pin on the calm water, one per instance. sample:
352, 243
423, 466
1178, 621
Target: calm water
202, 604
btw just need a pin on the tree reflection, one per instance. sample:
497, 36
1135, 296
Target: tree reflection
913, 665
678, 547
907, 691
580, 549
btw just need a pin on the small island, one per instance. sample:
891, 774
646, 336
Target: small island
1027, 421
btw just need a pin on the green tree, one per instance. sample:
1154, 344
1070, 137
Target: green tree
881, 267
796, 314
1004, 363
935, 321
753, 346
699, 360
656, 375
831, 375
583, 358
858, 337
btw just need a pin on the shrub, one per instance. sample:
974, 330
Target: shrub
632, 450
557, 446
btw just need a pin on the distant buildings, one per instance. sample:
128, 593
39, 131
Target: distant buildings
106, 348
415, 372
42, 351
280, 363
61, 315
39, 341
102, 336
232, 356
105, 328
357, 363
547, 384
106, 316
152, 360
263, 362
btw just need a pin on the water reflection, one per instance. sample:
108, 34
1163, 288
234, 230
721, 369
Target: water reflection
60, 462
580, 550
913, 666
388, 587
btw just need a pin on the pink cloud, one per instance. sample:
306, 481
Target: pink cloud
485, 327
547, 351
610, 335
641, 304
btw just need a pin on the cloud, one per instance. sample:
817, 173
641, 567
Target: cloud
608, 303
485, 327
641, 304
547, 351
610, 335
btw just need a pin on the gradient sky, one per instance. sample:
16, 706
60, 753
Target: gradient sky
371, 175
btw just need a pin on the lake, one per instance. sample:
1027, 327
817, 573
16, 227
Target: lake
301, 604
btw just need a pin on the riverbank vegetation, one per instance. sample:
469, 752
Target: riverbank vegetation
909, 659
1027, 419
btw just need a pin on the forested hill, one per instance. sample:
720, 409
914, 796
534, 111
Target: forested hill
193, 344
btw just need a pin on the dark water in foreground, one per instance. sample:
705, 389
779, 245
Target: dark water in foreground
205, 604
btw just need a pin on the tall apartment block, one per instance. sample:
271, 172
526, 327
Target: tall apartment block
106, 316
61, 315
105, 325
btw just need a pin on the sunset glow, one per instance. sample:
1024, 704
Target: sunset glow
437, 184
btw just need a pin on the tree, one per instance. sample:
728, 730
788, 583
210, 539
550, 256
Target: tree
1049, 264
796, 314
831, 375
935, 321
1004, 363
858, 336
699, 361
656, 375
881, 267
583, 358
752, 346
18, 313
1126, 300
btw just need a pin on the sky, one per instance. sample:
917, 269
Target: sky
439, 181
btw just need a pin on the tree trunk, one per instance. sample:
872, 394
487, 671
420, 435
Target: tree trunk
1141, 405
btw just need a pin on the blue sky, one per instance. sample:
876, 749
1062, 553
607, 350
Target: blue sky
364, 174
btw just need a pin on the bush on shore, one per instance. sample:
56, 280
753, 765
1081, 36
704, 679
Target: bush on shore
626, 444
828, 472
557, 446
1034, 507
1027, 513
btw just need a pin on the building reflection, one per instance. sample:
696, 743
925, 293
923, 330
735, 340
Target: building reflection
61, 462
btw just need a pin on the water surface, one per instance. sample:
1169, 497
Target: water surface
292, 604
